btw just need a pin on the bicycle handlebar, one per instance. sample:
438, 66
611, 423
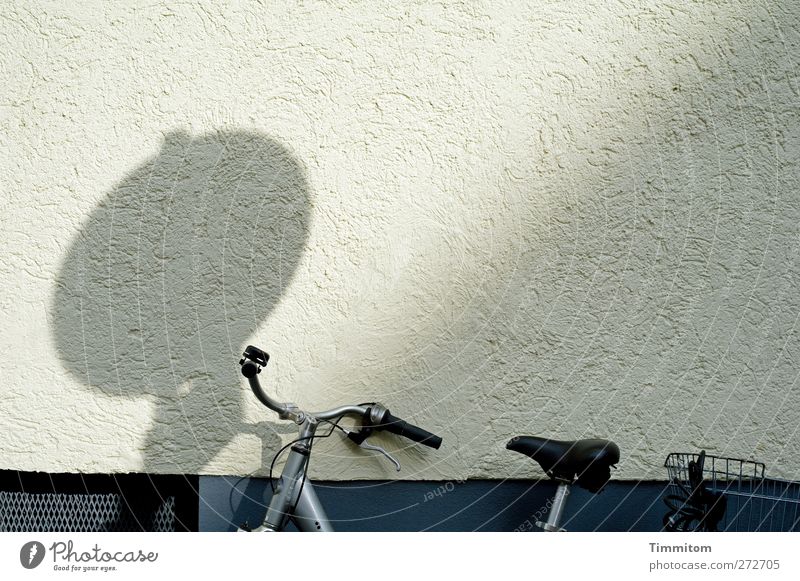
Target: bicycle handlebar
400, 427
250, 370
254, 359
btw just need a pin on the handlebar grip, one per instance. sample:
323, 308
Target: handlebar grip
249, 369
403, 428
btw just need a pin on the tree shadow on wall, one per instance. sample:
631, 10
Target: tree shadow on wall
171, 275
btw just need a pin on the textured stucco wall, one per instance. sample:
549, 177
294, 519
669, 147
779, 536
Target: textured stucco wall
568, 219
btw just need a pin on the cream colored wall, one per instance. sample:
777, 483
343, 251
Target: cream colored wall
566, 219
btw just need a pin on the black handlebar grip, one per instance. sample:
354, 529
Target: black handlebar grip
249, 369
403, 428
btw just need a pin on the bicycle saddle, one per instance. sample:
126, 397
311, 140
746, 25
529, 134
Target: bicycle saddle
589, 461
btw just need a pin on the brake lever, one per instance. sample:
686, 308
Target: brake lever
360, 438
389, 457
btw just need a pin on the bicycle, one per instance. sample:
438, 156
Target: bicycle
294, 497
586, 463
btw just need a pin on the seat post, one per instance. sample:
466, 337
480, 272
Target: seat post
557, 510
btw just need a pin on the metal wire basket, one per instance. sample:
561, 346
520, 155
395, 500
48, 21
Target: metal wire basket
712, 493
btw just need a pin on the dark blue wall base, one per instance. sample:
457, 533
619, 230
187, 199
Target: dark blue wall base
474, 505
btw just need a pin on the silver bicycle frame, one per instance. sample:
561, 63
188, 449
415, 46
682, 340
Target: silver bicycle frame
295, 497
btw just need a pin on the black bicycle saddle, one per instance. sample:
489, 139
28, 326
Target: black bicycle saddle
588, 461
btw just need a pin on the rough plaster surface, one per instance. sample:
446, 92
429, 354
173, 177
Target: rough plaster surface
565, 219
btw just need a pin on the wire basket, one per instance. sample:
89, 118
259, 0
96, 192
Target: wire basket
712, 493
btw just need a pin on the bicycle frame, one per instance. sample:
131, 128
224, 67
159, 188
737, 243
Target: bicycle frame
295, 497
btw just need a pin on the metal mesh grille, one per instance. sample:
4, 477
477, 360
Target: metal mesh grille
54, 512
